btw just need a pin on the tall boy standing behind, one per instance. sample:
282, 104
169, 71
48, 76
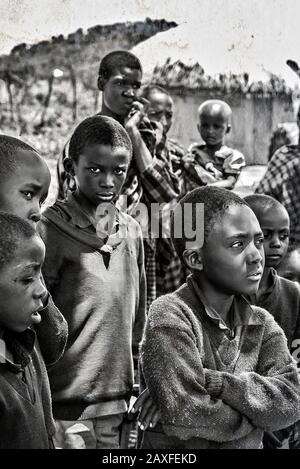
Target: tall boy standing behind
212, 163
149, 179
96, 276
218, 369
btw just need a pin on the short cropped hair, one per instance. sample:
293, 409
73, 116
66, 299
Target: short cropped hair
9, 146
224, 108
116, 59
260, 203
216, 202
147, 90
101, 130
14, 233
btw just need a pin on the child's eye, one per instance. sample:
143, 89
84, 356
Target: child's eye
27, 280
95, 170
237, 244
284, 236
28, 195
259, 242
119, 171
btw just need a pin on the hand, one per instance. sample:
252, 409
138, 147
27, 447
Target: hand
216, 173
149, 413
137, 114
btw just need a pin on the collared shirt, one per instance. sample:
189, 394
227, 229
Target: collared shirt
16, 350
109, 235
282, 181
241, 313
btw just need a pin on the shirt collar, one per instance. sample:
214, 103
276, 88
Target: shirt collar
79, 218
19, 346
242, 312
272, 280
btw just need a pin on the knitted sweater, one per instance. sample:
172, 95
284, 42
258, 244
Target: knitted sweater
213, 390
104, 305
25, 403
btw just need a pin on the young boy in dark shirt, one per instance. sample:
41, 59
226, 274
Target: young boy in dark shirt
97, 279
24, 184
218, 369
26, 417
279, 296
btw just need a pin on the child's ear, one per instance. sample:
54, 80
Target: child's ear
69, 166
193, 259
228, 128
198, 127
101, 82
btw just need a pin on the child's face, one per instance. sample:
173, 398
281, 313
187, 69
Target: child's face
101, 172
120, 90
161, 109
233, 255
24, 191
275, 226
290, 268
213, 127
21, 288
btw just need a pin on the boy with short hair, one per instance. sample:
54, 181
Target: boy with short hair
212, 163
279, 296
149, 179
94, 270
26, 418
24, 185
218, 369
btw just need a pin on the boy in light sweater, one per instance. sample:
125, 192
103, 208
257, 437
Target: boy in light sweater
218, 369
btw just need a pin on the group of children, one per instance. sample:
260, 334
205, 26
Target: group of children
216, 359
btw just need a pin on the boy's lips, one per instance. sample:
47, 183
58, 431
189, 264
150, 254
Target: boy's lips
255, 275
107, 196
35, 318
274, 256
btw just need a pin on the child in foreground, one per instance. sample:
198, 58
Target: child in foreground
24, 184
218, 369
96, 276
26, 417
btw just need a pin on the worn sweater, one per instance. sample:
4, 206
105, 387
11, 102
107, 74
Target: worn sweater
104, 305
214, 388
25, 403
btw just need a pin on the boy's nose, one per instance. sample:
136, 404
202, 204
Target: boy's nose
40, 290
107, 181
35, 217
255, 255
130, 93
275, 242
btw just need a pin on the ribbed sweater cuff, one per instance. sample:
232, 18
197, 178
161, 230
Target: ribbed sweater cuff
213, 382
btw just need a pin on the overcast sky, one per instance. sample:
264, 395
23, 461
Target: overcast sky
232, 33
